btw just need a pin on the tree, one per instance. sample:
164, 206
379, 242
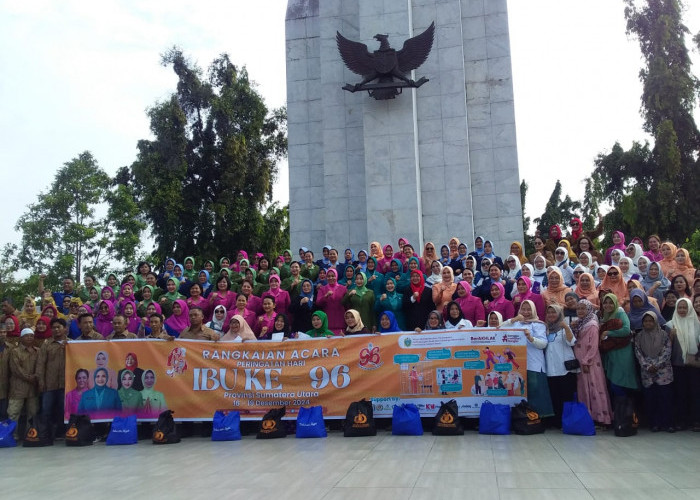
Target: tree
557, 211
205, 180
654, 189
60, 233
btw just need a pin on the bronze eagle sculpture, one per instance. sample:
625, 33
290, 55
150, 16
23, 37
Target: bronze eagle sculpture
386, 64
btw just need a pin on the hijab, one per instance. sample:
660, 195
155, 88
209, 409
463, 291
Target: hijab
434, 278
323, 331
651, 342
107, 290
563, 262
521, 258
687, 263
362, 265
567, 246
378, 254
638, 252
393, 324
275, 292
429, 256
491, 255
360, 291
173, 296
631, 268
512, 273
351, 259
29, 315
533, 316
441, 323
47, 333
525, 296
686, 328
358, 322
244, 330
444, 260
587, 292
590, 316
616, 308
179, 323
420, 286
558, 293
452, 321
454, 255
648, 261
309, 295
146, 303
103, 322
500, 316
501, 298
332, 271
132, 321
555, 326
668, 264
648, 281
619, 288
217, 325
286, 328
637, 313
540, 273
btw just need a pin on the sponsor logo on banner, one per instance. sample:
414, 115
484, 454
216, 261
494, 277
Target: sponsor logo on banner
177, 363
370, 359
509, 338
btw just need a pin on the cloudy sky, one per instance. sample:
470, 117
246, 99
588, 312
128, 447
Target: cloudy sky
79, 76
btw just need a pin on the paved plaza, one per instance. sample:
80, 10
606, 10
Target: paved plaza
385, 467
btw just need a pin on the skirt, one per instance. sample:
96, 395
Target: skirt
538, 393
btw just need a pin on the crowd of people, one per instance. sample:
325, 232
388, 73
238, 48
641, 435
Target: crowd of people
603, 324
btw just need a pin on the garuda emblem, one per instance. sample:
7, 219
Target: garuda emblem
386, 65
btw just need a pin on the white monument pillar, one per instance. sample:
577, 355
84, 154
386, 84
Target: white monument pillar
436, 162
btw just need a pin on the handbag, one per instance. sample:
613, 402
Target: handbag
80, 431
310, 423
613, 343
572, 364
447, 421
624, 417
405, 421
165, 431
359, 420
123, 431
494, 419
226, 426
576, 419
7, 428
38, 434
271, 425
525, 420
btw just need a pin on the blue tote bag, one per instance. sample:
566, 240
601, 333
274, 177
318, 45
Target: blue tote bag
226, 426
310, 423
123, 431
576, 419
494, 419
405, 421
7, 427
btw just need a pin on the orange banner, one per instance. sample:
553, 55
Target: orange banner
194, 379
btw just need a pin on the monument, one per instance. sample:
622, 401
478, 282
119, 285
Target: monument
427, 164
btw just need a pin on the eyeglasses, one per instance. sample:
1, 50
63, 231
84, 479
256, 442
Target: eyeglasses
614, 273
575, 224
560, 253
578, 272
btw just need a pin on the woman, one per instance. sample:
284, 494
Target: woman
153, 401
478, 248
573, 260
101, 362
385, 263
73, 397
680, 284
443, 291
218, 321
512, 272
561, 260
147, 299
540, 273
669, 304
29, 315
292, 284
590, 384
586, 290
391, 301
684, 266
499, 302
239, 331
375, 250
42, 330
585, 244
168, 299
179, 320
471, 307
685, 334
330, 300
634, 252
362, 259
434, 322
362, 300
319, 325
618, 239
126, 294
353, 322
436, 274
282, 298
375, 279
453, 245
130, 398
263, 275
556, 290
516, 249
586, 261
627, 268
668, 263
639, 305
460, 261
283, 326
614, 282
387, 323
540, 250
619, 361
489, 254
418, 302
265, 323
654, 253
107, 294
222, 295
559, 351
524, 292
103, 320
101, 400
652, 346
132, 319
455, 319
535, 332
655, 283
444, 255
429, 256
302, 306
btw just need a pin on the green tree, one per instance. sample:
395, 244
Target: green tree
654, 189
203, 184
61, 235
557, 211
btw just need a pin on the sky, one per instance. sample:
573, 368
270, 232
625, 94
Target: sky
80, 76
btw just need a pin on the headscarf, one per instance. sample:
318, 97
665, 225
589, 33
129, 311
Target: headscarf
587, 292
686, 328
557, 230
631, 270
363, 289
590, 316
332, 271
637, 313
501, 298
286, 329
378, 254
217, 325
687, 263
244, 330
132, 321
358, 321
173, 296
524, 296
435, 278
444, 260
668, 264
479, 251
452, 274
111, 297
648, 282
540, 272
565, 261
352, 256
648, 261
429, 257
651, 342
134, 365
309, 295
500, 316
103, 322
556, 294
511, 273
576, 233
386, 261
453, 322
619, 246
616, 308
52, 306
99, 390
569, 252
30, 316
529, 268
619, 289
491, 256
393, 324
145, 303
47, 333
323, 331
555, 326
454, 255
179, 323
420, 286
638, 252
441, 323
277, 290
